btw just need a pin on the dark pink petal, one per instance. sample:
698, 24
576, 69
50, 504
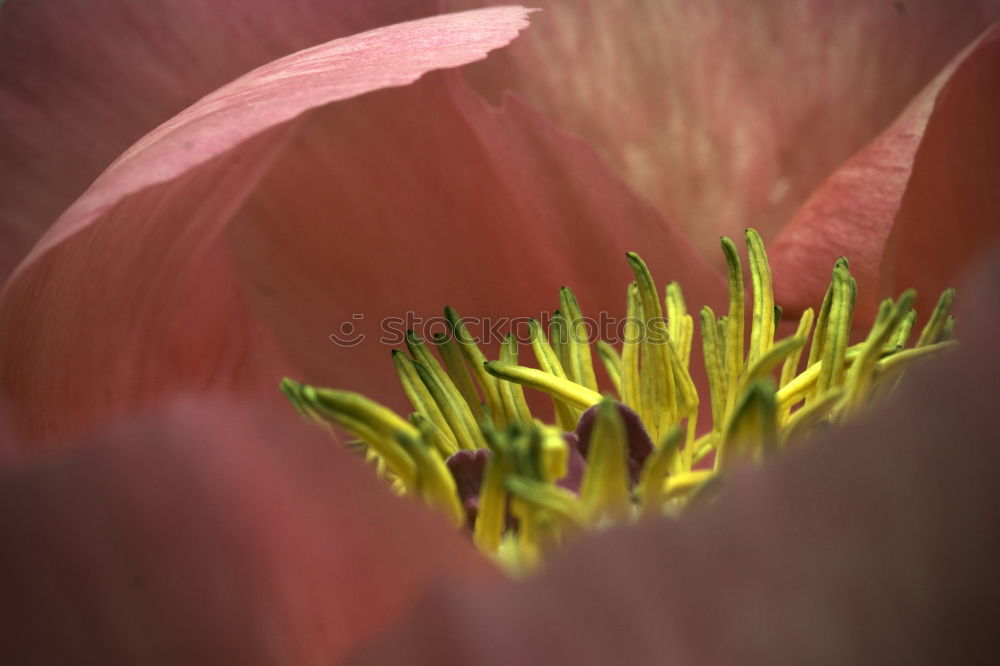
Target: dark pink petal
930, 179
209, 534
81, 80
875, 543
950, 211
727, 115
173, 271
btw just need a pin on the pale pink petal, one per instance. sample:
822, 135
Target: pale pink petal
401, 200
930, 178
81, 80
130, 295
727, 115
209, 534
283, 90
875, 543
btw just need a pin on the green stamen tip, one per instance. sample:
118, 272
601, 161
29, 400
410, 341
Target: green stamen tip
528, 498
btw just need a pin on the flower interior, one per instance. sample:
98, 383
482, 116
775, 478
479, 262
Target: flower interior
473, 449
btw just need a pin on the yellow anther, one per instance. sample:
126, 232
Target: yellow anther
837, 329
714, 366
762, 328
633, 331
890, 367
580, 366
816, 411
683, 484
791, 365
735, 319
662, 462
563, 390
684, 388
566, 415
659, 396
705, 445
561, 502
752, 427
492, 515
861, 375
377, 425
823, 319
902, 335
774, 357
511, 394
948, 333
457, 370
453, 406
422, 400
489, 385
604, 491
679, 322
455, 410
553, 452
559, 338
434, 483
292, 390
935, 325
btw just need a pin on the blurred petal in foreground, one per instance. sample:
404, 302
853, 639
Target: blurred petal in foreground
208, 535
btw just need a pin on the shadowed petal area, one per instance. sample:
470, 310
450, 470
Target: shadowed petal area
132, 290
874, 543
208, 534
916, 204
727, 115
81, 80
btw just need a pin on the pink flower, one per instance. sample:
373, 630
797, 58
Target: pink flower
221, 250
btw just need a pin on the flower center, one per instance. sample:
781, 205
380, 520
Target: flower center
473, 449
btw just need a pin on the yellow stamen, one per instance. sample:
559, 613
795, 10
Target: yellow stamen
523, 512
604, 492
580, 366
561, 389
548, 362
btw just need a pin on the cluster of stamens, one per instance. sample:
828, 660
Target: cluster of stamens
473, 450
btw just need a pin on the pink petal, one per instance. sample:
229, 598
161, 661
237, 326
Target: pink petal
283, 90
875, 543
211, 535
142, 301
930, 178
487, 210
81, 80
727, 115
950, 211
403, 200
